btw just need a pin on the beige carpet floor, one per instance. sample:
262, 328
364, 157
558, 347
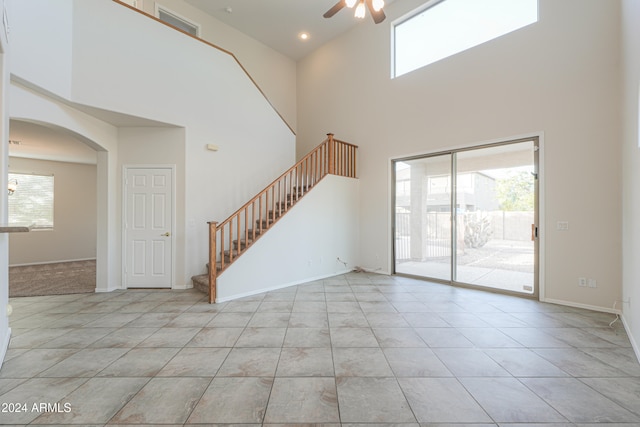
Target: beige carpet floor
58, 278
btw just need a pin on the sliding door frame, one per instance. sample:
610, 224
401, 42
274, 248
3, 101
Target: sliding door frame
537, 139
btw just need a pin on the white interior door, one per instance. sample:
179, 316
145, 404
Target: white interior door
148, 228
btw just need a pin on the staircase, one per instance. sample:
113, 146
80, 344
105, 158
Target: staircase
231, 238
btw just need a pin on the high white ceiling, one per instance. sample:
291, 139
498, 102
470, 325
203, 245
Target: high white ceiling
277, 23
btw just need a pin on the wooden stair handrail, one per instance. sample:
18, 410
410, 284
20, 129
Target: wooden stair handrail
332, 156
288, 171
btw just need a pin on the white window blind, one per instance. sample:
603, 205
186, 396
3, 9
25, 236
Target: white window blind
32, 202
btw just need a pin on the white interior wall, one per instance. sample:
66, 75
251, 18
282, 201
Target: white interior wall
303, 245
140, 146
73, 236
33, 60
273, 72
212, 98
5, 331
631, 169
557, 76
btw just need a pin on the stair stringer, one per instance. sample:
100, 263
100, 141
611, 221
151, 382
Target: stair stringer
302, 246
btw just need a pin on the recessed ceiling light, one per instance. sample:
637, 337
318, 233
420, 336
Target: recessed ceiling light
303, 36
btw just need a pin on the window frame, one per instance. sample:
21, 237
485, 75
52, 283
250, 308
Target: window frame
419, 10
17, 175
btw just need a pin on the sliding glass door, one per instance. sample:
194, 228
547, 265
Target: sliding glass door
469, 216
423, 217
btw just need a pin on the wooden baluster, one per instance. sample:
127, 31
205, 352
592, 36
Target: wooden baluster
259, 224
246, 228
213, 263
351, 161
273, 204
297, 186
325, 159
231, 240
305, 175
238, 239
222, 259
309, 173
290, 195
279, 198
331, 159
347, 163
314, 166
319, 160
345, 154
355, 162
253, 221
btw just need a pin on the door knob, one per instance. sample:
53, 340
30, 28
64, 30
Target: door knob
167, 234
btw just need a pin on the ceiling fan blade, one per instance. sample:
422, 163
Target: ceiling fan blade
378, 16
335, 9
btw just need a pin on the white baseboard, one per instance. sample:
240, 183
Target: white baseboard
103, 290
634, 344
275, 288
4, 345
585, 306
51, 262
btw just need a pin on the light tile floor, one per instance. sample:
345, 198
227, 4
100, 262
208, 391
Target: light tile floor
352, 350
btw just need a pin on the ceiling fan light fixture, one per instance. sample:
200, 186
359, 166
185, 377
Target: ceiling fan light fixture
374, 6
377, 5
360, 10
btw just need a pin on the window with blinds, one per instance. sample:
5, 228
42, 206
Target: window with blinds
32, 202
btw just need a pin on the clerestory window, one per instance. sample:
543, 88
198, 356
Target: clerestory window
443, 28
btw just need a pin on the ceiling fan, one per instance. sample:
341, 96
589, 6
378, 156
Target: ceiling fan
374, 6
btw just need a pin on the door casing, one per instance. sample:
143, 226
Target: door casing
539, 253
171, 238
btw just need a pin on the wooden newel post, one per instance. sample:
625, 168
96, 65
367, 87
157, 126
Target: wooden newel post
332, 154
213, 262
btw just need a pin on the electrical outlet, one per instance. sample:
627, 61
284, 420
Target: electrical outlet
582, 282
592, 283
562, 225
